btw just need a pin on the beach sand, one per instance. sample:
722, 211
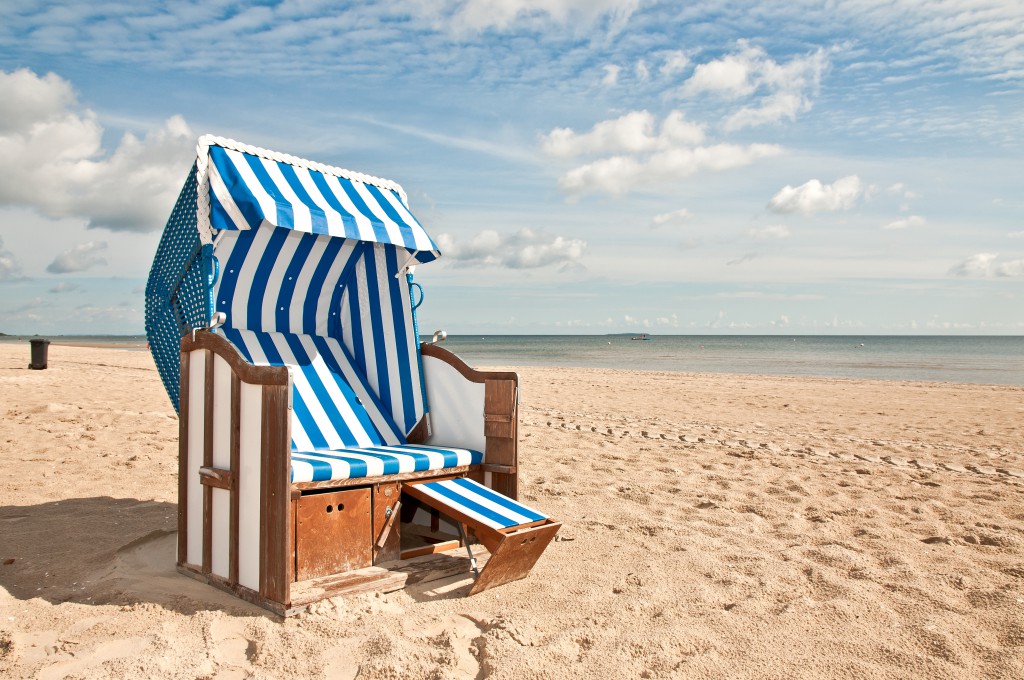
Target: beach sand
714, 526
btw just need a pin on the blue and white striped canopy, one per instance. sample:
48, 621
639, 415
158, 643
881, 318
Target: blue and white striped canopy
283, 245
321, 255
247, 190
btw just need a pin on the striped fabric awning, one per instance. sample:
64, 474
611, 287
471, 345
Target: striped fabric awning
247, 190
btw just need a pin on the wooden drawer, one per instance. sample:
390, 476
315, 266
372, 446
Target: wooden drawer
333, 533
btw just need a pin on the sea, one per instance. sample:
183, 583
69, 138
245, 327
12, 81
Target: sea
986, 360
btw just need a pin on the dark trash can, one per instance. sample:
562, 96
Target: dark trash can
39, 350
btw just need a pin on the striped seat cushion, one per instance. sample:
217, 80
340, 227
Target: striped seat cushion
480, 503
351, 463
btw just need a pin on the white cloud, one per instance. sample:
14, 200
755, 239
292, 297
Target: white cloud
476, 15
731, 76
906, 222
92, 314
668, 321
611, 75
620, 174
26, 98
1015, 234
813, 196
674, 152
771, 109
10, 267
80, 258
675, 62
633, 132
675, 218
642, 71
782, 90
52, 159
526, 249
770, 232
988, 265
900, 189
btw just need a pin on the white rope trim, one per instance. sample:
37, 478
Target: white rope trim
203, 191
203, 177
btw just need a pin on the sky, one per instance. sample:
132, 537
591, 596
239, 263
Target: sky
586, 166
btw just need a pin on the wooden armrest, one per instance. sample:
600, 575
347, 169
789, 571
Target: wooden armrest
215, 477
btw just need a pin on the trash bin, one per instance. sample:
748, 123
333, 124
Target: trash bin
39, 349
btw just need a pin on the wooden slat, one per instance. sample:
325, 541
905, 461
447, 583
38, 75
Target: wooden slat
430, 549
235, 460
276, 543
239, 591
208, 390
501, 415
502, 469
506, 485
499, 418
387, 577
183, 389
457, 471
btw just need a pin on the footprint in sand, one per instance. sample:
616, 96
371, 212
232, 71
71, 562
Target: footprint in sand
232, 650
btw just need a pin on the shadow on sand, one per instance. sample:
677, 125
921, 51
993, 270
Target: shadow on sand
101, 550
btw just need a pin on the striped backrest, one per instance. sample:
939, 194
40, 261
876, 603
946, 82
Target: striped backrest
376, 328
280, 280
275, 280
332, 405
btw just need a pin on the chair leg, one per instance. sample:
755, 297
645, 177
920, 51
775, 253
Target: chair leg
465, 542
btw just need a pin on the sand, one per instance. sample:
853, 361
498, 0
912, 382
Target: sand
714, 526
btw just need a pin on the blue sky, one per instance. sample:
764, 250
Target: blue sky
588, 166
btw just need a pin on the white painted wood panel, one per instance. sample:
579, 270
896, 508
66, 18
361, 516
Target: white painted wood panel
221, 413
250, 441
196, 435
221, 532
456, 407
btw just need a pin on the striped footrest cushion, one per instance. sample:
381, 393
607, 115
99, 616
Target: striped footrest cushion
324, 465
479, 503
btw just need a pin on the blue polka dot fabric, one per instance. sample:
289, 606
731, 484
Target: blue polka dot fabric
178, 290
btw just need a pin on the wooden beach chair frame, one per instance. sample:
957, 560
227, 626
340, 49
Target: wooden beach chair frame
245, 526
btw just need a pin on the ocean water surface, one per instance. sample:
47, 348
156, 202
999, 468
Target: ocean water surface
987, 360
996, 360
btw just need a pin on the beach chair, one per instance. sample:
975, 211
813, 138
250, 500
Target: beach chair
323, 448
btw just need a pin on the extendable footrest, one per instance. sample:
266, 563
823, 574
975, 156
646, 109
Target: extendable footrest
515, 534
